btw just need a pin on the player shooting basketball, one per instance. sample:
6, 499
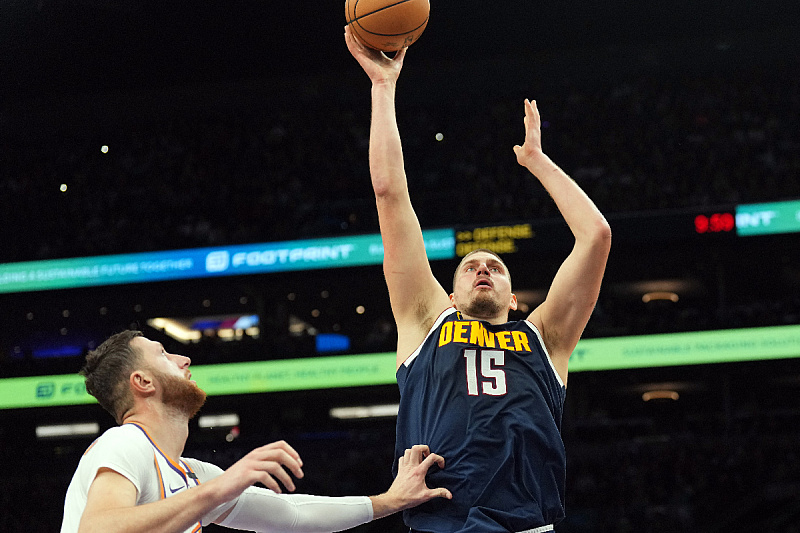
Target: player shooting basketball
485, 393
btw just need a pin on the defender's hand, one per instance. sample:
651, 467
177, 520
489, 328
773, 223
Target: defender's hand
409, 488
267, 465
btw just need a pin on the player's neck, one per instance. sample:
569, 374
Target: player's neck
168, 430
494, 320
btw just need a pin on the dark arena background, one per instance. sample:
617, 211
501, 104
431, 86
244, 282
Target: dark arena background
147, 131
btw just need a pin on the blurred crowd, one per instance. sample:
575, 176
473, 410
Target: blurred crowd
297, 166
696, 479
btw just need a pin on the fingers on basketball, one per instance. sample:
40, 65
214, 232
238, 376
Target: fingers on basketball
387, 25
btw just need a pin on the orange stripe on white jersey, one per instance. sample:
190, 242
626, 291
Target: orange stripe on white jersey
161, 489
180, 468
91, 446
175, 466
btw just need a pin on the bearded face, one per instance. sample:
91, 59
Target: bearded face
482, 287
181, 394
482, 305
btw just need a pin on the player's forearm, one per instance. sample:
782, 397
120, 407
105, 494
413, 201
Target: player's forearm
385, 149
135, 520
171, 515
385, 505
260, 509
581, 214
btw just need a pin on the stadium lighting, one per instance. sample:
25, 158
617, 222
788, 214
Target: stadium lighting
364, 411
223, 420
659, 295
80, 429
660, 395
175, 329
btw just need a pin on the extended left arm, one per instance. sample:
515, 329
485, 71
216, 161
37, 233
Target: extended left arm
573, 293
262, 510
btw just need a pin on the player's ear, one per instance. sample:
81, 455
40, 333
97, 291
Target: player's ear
513, 304
141, 382
452, 299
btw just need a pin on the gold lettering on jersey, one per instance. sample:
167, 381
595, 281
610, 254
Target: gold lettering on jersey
520, 341
474, 333
460, 331
481, 336
446, 334
503, 338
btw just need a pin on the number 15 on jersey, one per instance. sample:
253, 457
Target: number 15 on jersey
492, 380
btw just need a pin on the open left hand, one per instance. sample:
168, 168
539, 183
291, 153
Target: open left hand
532, 147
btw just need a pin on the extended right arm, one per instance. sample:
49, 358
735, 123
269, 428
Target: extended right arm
230, 499
416, 296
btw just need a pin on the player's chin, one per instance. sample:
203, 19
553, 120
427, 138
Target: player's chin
485, 296
484, 306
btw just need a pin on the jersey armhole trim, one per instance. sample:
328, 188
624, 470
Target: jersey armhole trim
444, 314
546, 353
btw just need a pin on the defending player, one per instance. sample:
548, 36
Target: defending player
485, 393
133, 478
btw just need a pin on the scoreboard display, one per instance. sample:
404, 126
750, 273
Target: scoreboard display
689, 225
499, 239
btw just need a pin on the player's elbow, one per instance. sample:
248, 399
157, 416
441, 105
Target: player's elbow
385, 186
599, 235
603, 232
389, 192
388, 178
382, 188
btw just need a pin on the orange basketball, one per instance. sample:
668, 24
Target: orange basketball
387, 25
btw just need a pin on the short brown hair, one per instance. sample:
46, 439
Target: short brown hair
488, 251
107, 370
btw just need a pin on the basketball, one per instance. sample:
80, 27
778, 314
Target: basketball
387, 25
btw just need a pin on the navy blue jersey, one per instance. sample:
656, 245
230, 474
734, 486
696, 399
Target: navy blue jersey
488, 399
